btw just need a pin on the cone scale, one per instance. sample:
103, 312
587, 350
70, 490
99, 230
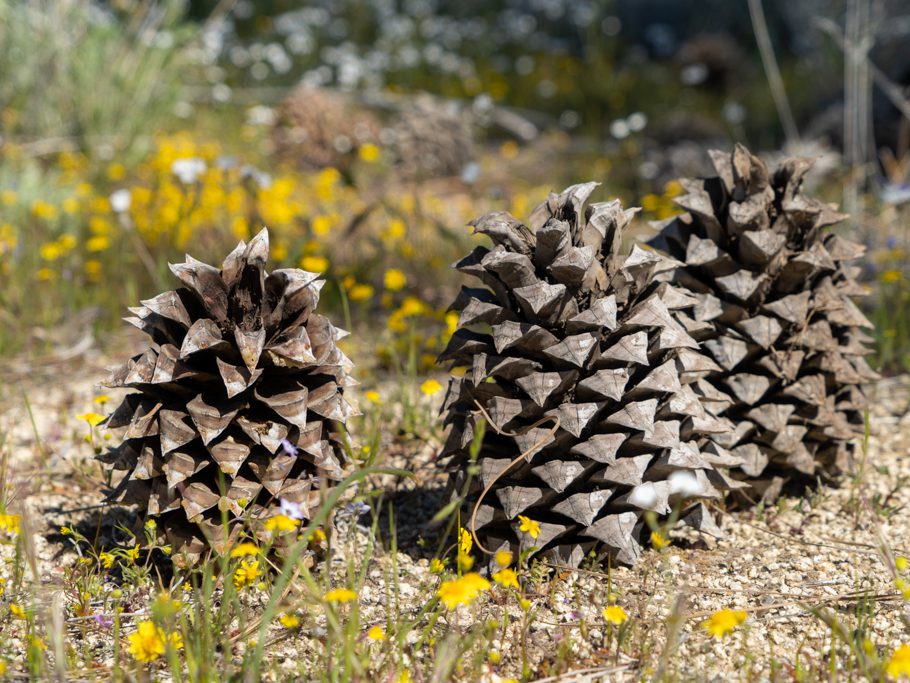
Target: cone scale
237, 402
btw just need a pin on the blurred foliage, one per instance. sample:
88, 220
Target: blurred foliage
80, 76
110, 170
66, 243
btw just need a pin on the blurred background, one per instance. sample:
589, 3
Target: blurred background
366, 134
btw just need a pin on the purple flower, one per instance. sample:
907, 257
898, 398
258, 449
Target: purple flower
288, 447
892, 242
291, 509
104, 621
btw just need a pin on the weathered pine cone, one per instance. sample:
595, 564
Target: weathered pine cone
774, 291
566, 327
237, 402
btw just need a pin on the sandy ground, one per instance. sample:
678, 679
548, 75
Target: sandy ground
826, 552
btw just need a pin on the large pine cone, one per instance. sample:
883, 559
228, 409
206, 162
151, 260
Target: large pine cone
565, 327
237, 404
774, 291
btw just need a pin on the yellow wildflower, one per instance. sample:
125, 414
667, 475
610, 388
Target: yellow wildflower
901, 563
369, 153
650, 202
394, 279
93, 269
97, 243
147, 643
94, 419
506, 578
673, 188
289, 620
246, 573
451, 323
106, 559
322, 225
430, 387
101, 399
340, 595
465, 543
509, 149
463, 590
16, 611
412, 306
615, 614
175, 640
281, 523
315, 264
133, 553
360, 292
503, 558
899, 663
395, 230
724, 621
279, 251
46, 274
10, 523
891, 276
50, 251
437, 566
116, 172
529, 526
373, 397
245, 550
45, 211
376, 634
658, 540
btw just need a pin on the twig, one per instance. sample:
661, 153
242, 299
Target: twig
890, 89
772, 72
594, 670
522, 456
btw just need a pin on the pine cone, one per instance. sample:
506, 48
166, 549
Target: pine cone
432, 140
567, 328
237, 404
317, 128
774, 292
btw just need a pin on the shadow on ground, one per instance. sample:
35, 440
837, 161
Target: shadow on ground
407, 516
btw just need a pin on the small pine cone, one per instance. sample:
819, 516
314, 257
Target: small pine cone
774, 292
318, 128
567, 328
432, 140
238, 401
